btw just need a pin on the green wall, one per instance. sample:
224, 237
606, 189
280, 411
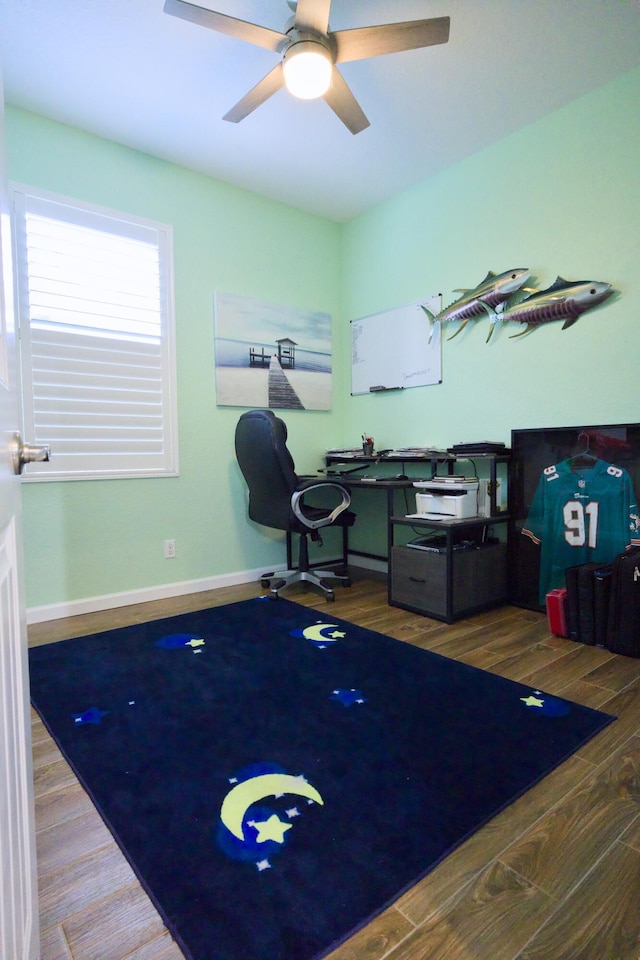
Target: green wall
561, 196
91, 538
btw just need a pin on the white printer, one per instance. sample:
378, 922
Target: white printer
447, 498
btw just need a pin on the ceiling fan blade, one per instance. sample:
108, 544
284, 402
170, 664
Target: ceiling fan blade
250, 32
313, 15
264, 89
362, 42
344, 104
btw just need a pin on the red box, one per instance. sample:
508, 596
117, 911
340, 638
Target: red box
557, 612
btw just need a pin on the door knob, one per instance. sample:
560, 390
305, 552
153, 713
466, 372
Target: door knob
22, 453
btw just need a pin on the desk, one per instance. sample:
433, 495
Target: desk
424, 462
427, 465
422, 467
391, 487
449, 583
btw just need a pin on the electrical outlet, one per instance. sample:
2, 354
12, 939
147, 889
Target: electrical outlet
169, 549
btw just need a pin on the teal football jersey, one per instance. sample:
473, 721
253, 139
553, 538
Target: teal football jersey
581, 515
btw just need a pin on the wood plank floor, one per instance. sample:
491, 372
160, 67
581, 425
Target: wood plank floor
555, 876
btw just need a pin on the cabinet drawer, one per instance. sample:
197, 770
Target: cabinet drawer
419, 579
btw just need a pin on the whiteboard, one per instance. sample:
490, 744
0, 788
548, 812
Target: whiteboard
391, 350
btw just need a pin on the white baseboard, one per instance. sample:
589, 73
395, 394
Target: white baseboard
108, 601
369, 563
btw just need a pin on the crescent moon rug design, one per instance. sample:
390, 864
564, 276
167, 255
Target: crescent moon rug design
245, 794
250, 828
320, 634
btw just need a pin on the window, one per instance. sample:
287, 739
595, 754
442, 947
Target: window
95, 306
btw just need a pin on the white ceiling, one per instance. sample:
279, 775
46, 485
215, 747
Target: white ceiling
125, 70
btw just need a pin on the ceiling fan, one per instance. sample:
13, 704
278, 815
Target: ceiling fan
308, 42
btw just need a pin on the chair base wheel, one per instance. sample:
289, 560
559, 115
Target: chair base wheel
318, 579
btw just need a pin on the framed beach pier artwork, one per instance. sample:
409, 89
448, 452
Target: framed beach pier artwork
269, 355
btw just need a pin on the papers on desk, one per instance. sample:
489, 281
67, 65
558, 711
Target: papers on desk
418, 453
345, 454
402, 453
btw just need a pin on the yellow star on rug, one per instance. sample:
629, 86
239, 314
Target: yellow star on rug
532, 701
194, 643
271, 829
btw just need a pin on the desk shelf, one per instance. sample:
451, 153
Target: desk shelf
428, 461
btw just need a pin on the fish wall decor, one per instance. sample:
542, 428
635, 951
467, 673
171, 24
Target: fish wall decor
563, 300
492, 291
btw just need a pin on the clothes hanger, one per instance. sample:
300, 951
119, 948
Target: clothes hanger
585, 457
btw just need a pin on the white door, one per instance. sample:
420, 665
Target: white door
19, 929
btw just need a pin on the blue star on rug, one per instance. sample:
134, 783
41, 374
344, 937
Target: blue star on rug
178, 641
348, 697
93, 715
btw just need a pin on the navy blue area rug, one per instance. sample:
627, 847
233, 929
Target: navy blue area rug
276, 778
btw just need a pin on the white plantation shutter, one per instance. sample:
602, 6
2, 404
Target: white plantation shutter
97, 339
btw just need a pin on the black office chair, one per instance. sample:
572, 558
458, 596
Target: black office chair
279, 498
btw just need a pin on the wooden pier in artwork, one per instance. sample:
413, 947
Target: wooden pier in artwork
281, 393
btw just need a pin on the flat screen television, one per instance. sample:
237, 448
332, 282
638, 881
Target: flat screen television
533, 450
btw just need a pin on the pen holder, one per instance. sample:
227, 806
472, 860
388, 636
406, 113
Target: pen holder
367, 448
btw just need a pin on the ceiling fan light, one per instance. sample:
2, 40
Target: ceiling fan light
307, 69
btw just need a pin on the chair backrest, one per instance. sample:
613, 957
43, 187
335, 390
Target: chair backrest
267, 467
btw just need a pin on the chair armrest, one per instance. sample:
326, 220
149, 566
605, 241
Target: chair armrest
297, 504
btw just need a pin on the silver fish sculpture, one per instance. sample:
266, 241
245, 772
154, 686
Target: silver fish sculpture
563, 300
494, 289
